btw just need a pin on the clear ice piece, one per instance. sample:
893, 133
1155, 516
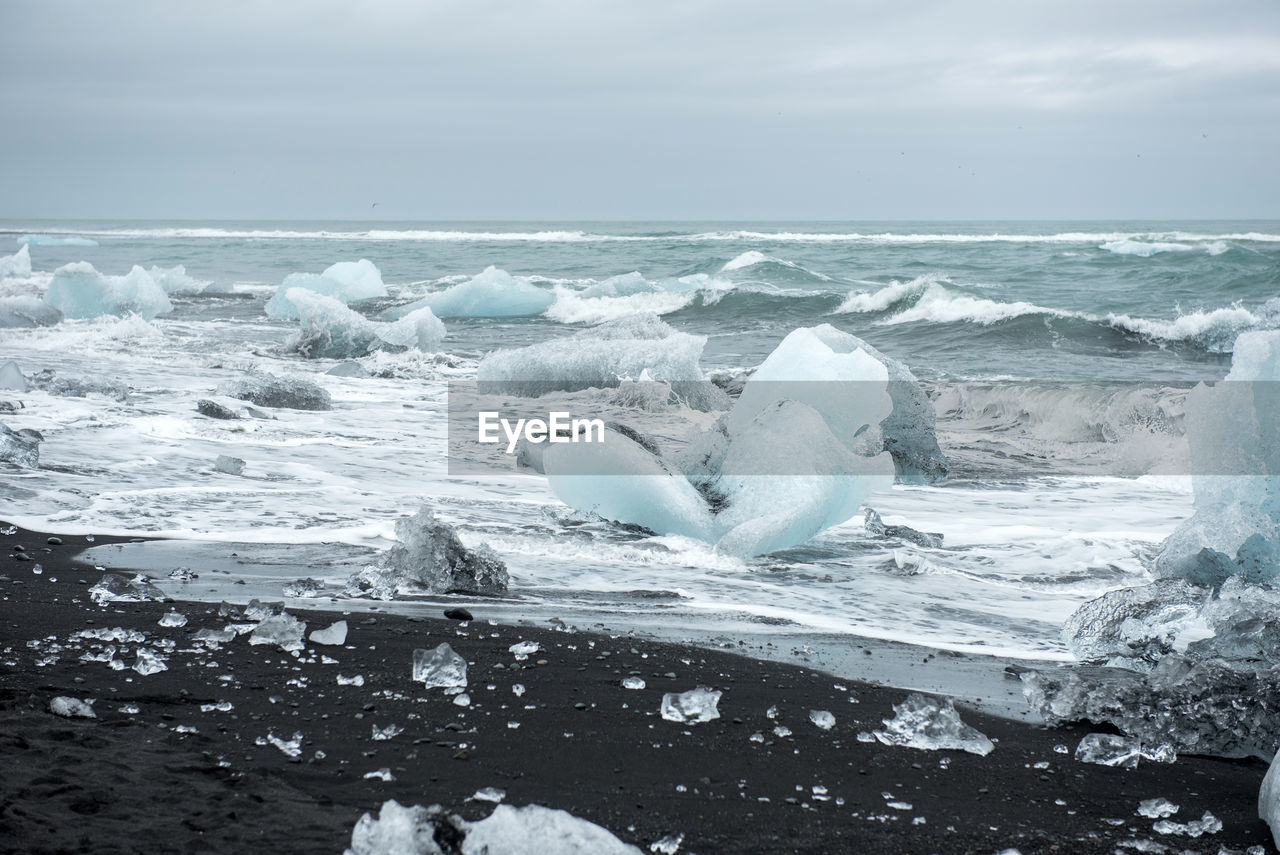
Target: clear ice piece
924, 723
334, 634
440, 668
692, 707
284, 630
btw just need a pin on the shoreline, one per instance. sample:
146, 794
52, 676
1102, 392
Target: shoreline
586, 745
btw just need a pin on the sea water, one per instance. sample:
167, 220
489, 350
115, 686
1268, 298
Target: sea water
1057, 355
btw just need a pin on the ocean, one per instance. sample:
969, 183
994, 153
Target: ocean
1057, 355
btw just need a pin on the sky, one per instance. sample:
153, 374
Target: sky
603, 109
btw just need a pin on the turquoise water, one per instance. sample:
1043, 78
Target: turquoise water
1159, 302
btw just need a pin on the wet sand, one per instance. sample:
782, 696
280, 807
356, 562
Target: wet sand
173, 778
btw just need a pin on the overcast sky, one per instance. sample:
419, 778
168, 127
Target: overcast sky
697, 109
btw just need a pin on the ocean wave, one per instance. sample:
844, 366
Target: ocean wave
78, 236
1146, 249
1214, 331
55, 240
754, 258
929, 299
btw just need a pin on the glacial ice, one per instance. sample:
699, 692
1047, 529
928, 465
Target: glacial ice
18, 265
528, 830
641, 488
12, 378
822, 719
24, 311
1206, 824
1109, 749
330, 330
1158, 808
173, 618
494, 293
1269, 799
789, 460
877, 527
333, 634
149, 663
692, 707
229, 465
78, 387
1233, 430
430, 557
283, 630
20, 447
346, 282
924, 723
55, 240
174, 280
80, 291
1195, 707
117, 588
71, 708
824, 356
441, 668
268, 390
215, 410
597, 357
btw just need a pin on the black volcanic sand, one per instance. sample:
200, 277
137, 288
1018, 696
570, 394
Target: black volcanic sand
134, 782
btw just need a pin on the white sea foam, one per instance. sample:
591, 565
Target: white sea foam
581, 236
1146, 248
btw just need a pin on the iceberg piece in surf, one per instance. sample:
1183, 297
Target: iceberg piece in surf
346, 282
268, 390
602, 357
430, 558
20, 447
18, 265
494, 293
330, 330
791, 459
25, 312
80, 291
1233, 429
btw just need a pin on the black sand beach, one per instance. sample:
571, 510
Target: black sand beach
143, 782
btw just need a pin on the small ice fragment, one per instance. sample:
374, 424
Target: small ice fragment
291, 747
334, 634
441, 667
822, 719
1156, 808
129, 709
383, 774
71, 708
513, 725
771, 712
924, 723
668, 845
756, 737
632, 683
117, 588
692, 707
899, 805
1106, 749
518, 690
357, 680
382, 734
782, 731
215, 636
522, 649
462, 700
173, 617
1206, 824
303, 588
282, 630
229, 465
220, 706
149, 663
489, 794
260, 611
